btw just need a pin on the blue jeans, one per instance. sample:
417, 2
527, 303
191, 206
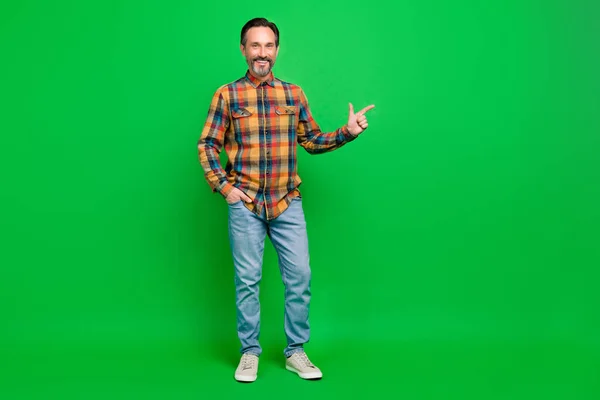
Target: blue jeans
287, 232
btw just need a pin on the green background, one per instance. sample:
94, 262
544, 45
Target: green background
454, 245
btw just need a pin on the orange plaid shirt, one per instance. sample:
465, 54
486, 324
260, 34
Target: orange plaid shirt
259, 124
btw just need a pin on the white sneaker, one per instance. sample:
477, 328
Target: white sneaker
300, 364
247, 368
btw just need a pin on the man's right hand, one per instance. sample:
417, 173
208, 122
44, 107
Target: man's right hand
237, 195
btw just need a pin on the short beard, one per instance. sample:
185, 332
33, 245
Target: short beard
262, 72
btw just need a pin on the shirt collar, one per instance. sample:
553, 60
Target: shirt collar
255, 82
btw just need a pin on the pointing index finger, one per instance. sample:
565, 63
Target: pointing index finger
364, 110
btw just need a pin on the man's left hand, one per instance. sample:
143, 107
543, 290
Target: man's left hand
357, 122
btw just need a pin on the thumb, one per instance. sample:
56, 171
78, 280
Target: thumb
247, 199
351, 109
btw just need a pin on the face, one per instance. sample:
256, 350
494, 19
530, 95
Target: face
260, 51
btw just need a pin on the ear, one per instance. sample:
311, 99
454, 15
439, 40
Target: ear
242, 49
277, 52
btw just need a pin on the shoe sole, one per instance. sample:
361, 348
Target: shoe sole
309, 376
245, 379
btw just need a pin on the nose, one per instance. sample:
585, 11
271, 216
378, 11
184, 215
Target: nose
262, 52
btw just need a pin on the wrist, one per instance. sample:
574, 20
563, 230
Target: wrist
348, 132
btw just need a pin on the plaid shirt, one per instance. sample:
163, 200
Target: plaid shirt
259, 125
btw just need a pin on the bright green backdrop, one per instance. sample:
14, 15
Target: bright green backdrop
454, 246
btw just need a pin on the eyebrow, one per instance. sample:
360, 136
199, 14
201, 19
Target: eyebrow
267, 43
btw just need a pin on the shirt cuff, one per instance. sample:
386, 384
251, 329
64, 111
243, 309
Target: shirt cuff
225, 188
347, 133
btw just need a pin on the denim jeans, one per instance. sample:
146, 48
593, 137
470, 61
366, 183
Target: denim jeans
287, 232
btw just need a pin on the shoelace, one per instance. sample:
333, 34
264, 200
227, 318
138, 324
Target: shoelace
305, 360
248, 362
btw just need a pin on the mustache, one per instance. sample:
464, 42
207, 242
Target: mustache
263, 59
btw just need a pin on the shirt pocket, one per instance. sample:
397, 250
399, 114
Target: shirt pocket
285, 122
244, 122
242, 112
285, 110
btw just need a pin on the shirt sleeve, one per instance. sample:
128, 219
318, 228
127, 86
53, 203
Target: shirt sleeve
211, 142
310, 136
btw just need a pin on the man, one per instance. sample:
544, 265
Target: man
259, 119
